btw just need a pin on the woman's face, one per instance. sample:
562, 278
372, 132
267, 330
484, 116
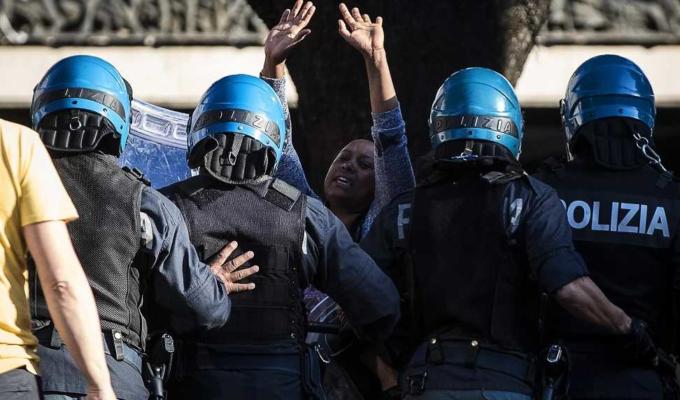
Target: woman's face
350, 180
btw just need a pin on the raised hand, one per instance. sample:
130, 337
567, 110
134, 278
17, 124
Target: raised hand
229, 272
288, 32
369, 38
360, 32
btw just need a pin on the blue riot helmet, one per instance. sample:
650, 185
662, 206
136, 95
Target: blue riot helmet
81, 100
477, 104
237, 126
607, 86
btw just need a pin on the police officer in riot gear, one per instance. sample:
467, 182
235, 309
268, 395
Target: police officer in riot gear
471, 248
129, 237
236, 138
623, 208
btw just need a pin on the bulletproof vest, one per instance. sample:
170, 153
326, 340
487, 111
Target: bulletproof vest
624, 224
106, 238
471, 279
267, 218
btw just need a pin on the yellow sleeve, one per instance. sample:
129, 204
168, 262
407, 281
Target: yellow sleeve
43, 197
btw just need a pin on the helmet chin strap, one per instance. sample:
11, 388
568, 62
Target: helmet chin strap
235, 148
469, 144
570, 155
458, 152
468, 153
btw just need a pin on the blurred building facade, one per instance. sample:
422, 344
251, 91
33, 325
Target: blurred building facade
646, 31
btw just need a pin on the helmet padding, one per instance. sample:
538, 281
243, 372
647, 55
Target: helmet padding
237, 159
78, 131
609, 142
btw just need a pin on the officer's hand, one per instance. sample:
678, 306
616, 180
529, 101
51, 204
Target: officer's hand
638, 345
288, 33
100, 394
227, 270
360, 32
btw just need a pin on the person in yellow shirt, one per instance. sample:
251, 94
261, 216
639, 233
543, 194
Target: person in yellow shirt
34, 209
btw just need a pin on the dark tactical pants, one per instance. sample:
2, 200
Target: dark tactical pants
240, 373
61, 378
468, 395
599, 377
19, 384
455, 370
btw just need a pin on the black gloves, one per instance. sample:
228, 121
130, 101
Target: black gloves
638, 345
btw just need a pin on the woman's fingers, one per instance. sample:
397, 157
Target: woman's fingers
342, 30
296, 9
284, 16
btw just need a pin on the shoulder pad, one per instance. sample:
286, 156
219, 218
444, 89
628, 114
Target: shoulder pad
137, 174
282, 194
285, 189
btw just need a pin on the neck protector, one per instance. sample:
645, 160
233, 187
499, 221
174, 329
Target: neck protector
238, 159
609, 142
78, 131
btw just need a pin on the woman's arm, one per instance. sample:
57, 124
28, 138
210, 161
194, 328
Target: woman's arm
281, 40
290, 167
393, 169
389, 135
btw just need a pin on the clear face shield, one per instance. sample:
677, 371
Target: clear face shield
157, 144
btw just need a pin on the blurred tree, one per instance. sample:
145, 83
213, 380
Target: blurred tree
426, 41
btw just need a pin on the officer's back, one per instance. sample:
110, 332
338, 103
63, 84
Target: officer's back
623, 225
480, 239
236, 139
129, 237
623, 211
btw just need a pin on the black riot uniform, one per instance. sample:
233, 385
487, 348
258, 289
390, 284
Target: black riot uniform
296, 241
625, 224
122, 260
623, 208
106, 242
131, 241
272, 226
235, 139
473, 297
471, 249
